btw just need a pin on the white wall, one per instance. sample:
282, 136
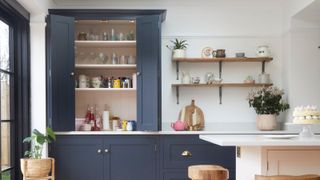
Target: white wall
231, 24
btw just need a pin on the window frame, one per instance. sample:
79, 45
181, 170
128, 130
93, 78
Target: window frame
13, 14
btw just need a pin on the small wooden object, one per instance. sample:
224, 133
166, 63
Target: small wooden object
33, 166
207, 172
193, 117
303, 177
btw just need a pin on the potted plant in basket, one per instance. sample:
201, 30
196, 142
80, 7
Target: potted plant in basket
179, 48
268, 103
34, 165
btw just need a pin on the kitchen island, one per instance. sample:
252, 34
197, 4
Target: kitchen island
271, 155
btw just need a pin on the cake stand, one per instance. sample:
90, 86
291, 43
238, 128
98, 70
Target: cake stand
306, 131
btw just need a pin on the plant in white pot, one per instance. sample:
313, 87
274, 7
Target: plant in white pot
268, 103
34, 165
179, 48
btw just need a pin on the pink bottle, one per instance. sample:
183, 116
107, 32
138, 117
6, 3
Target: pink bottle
178, 125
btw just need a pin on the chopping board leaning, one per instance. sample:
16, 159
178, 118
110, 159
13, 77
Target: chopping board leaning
192, 116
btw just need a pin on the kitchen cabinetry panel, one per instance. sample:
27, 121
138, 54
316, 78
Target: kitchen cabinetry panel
305, 161
176, 175
77, 158
179, 152
60, 73
133, 158
149, 72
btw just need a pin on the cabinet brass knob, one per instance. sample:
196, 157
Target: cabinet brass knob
99, 151
138, 73
72, 74
186, 153
106, 150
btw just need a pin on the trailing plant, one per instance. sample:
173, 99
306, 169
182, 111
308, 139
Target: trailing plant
267, 100
37, 140
178, 44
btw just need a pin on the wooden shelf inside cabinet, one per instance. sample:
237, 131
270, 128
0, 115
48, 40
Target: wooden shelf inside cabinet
106, 22
105, 66
105, 89
79, 43
219, 85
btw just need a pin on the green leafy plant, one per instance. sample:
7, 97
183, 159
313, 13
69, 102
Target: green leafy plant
268, 100
37, 140
178, 44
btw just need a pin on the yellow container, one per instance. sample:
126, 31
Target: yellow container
116, 83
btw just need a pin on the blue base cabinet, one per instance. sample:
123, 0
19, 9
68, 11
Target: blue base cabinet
145, 157
180, 151
106, 157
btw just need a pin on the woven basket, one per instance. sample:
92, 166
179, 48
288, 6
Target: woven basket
36, 167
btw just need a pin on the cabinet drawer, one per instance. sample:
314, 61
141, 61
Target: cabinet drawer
183, 151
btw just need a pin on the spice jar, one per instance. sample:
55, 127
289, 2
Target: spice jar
117, 83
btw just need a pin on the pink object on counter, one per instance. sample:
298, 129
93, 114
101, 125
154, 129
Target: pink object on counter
179, 125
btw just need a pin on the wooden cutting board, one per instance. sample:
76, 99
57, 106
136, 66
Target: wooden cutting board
192, 116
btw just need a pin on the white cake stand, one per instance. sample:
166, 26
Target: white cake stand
306, 131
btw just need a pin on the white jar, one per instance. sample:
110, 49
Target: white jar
83, 81
179, 53
263, 51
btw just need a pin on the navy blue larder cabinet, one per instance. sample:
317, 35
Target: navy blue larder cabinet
149, 72
61, 64
60, 73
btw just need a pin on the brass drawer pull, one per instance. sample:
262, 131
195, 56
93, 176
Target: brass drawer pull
186, 153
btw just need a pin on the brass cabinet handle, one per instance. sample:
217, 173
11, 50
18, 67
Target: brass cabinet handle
186, 153
106, 150
99, 151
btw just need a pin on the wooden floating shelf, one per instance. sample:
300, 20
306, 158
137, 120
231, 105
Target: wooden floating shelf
105, 43
224, 85
227, 59
105, 66
105, 89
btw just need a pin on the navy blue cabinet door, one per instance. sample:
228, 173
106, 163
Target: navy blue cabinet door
78, 158
149, 72
133, 158
60, 73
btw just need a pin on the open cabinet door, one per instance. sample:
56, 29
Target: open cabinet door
60, 73
149, 73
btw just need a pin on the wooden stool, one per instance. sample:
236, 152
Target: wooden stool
208, 172
304, 177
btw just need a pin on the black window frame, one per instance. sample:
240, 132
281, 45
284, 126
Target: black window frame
13, 14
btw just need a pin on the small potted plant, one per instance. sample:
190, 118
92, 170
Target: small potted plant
34, 165
179, 48
268, 103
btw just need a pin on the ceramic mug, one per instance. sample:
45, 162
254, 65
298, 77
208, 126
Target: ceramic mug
83, 81
96, 82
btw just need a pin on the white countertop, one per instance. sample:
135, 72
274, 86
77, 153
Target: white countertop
258, 140
252, 132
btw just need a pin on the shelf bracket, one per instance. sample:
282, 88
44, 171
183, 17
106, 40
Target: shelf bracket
220, 95
177, 69
220, 69
263, 66
177, 94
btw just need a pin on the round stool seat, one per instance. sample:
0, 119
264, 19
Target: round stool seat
208, 172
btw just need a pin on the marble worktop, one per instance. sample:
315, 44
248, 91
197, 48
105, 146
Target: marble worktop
261, 140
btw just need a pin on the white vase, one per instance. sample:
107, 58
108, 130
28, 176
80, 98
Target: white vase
178, 53
266, 122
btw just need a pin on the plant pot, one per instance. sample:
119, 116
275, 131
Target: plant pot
266, 122
178, 53
36, 168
